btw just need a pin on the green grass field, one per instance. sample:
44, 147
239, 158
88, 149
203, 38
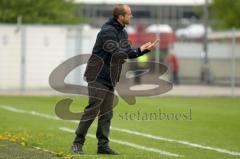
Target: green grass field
210, 125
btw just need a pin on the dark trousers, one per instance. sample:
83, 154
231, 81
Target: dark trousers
175, 79
97, 107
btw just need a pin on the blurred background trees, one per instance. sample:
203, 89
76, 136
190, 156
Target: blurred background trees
225, 13
40, 11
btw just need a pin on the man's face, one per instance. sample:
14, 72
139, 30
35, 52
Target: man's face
127, 17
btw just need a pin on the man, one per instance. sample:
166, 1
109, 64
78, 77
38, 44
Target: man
102, 74
172, 61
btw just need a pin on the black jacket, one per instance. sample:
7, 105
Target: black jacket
109, 53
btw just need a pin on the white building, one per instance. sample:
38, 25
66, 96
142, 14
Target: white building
176, 13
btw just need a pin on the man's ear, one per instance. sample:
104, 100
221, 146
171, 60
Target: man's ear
121, 17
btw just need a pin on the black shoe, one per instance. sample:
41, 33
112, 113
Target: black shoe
106, 151
77, 148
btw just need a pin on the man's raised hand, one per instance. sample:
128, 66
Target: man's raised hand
149, 45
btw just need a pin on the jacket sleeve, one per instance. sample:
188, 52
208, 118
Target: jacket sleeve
111, 45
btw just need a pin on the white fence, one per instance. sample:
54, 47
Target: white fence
220, 55
28, 54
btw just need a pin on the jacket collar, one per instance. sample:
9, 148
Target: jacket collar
113, 21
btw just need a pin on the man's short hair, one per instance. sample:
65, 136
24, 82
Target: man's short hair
119, 10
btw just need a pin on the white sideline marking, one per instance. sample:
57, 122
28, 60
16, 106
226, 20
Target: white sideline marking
220, 150
9, 108
43, 149
178, 141
128, 144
